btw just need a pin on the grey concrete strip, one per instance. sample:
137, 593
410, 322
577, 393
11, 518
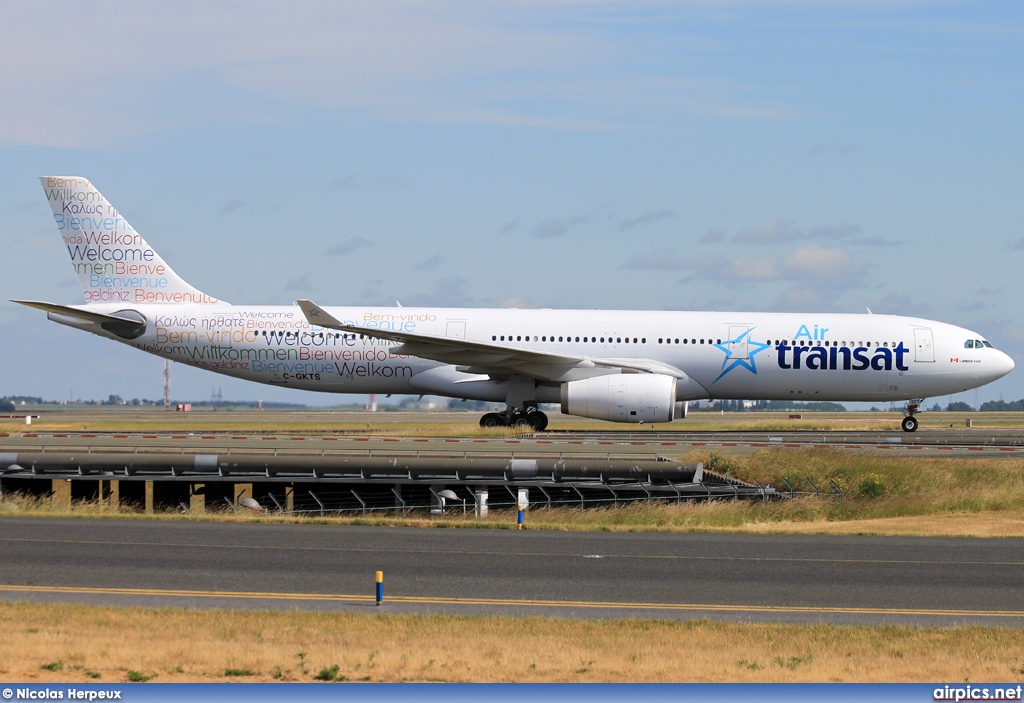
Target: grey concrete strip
816, 577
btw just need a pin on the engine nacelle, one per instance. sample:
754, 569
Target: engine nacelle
641, 397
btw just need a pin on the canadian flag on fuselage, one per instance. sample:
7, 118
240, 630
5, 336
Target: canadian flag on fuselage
112, 261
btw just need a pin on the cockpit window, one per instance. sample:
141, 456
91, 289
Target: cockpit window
985, 342
969, 344
978, 344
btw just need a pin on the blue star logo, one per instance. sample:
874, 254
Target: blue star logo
731, 361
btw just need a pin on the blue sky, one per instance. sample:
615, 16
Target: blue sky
814, 156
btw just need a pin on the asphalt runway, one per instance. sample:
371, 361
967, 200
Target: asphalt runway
990, 443
786, 578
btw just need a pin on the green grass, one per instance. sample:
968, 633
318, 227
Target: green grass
237, 672
138, 677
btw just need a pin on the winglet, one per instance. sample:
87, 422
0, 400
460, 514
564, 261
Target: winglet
316, 315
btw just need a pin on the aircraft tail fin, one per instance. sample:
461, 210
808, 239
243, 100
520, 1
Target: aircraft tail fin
114, 264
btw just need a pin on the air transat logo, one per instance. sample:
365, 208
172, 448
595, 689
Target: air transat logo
740, 352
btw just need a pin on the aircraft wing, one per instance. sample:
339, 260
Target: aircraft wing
488, 357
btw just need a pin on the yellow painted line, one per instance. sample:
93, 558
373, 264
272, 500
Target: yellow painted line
471, 552
438, 600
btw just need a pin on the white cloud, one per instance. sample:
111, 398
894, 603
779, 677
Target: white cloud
518, 302
901, 304
645, 219
87, 76
549, 229
778, 231
772, 231
348, 246
430, 263
818, 262
302, 284
447, 292
808, 263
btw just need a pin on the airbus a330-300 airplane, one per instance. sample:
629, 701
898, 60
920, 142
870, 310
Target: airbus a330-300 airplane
621, 366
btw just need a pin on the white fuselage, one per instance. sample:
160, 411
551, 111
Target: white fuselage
725, 355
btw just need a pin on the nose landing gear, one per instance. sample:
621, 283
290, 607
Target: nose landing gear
910, 423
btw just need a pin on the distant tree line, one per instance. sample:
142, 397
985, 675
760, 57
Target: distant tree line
997, 406
11, 403
1002, 406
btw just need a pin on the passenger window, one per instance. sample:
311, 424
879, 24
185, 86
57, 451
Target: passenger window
969, 344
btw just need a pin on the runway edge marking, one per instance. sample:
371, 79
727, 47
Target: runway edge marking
438, 600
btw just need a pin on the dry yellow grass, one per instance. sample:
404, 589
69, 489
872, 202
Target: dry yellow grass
77, 643
913, 495
945, 525
689, 517
453, 424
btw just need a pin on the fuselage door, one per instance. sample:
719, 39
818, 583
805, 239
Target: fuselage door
456, 329
738, 342
924, 346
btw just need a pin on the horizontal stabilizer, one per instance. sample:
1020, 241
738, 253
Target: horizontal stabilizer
122, 326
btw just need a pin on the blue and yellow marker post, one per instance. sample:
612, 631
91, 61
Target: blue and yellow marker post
380, 587
519, 520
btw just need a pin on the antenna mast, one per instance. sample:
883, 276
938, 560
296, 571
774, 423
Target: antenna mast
167, 384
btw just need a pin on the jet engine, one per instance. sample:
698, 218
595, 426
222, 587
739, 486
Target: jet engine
624, 397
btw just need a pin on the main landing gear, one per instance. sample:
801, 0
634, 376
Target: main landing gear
529, 418
910, 422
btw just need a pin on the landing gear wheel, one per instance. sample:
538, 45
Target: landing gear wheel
538, 420
522, 423
909, 424
492, 420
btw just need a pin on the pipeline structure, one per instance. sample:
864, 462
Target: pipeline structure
302, 481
